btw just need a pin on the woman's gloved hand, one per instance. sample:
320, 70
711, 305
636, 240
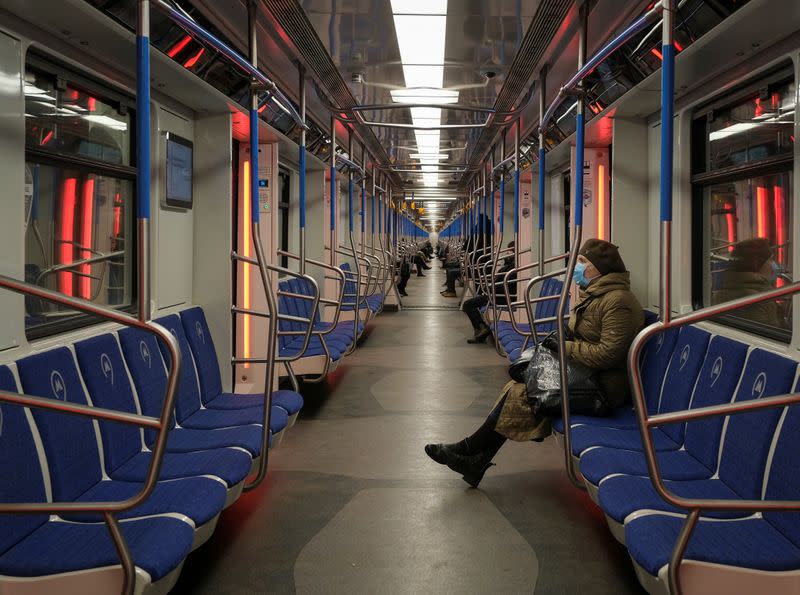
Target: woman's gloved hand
551, 342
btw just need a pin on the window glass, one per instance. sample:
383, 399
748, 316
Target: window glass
756, 129
76, 240
750, 246
79, 201
63, 119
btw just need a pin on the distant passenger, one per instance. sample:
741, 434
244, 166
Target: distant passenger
752, 270
404, 272
481, 236
472, 306
602, 326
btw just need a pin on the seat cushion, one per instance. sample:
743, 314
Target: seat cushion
597, 463
584, 437
621, 417
288, 400
229, 464
192, 439
747, 543
209, 419
623, 495
199, 498
158, 546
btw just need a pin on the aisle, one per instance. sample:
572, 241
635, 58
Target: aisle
353, 505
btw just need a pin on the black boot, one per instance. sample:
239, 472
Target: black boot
441, 452
480, 335
472, 467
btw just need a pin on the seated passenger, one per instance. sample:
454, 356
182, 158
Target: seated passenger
752, 270
404, 272
472, 306
473, 244
419, 261
602, 325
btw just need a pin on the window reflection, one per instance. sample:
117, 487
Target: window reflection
750, 244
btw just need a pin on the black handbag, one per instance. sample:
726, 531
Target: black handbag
543, 384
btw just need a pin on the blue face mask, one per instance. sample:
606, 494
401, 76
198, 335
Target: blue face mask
776, 270
578, 275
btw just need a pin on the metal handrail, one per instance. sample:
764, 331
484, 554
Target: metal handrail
529, 301
609, 48
527, 290
646, 422
161, 425
188, 25
314, 307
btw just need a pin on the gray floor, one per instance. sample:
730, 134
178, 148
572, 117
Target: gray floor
353, 505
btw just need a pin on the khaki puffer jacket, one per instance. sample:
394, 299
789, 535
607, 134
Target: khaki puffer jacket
604, 323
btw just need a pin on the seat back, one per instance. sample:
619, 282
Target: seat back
748, 436
349, 284
106, 378
682, 371
143, 357
653, 364
20, 468
201, 343
716, 385
70, 442
188, 400
783, 482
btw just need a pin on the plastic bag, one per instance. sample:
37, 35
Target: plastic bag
543, 383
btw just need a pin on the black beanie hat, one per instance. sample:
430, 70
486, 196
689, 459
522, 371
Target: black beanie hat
750, 255
603, 255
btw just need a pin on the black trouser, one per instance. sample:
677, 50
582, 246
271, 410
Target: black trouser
418, 260
405, 275
472, 309
452, 275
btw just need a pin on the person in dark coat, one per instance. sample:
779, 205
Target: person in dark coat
603, 325
472, 307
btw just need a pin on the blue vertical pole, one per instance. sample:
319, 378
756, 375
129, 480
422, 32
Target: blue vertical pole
667, 131
143, 156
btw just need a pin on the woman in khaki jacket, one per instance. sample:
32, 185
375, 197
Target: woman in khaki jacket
603, 324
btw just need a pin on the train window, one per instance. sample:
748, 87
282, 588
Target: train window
79, 201
60, 118
743, 181
285, 193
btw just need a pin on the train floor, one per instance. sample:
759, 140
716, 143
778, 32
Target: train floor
353, 505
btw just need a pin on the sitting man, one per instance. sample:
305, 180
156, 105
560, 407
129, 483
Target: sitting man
603, 325
472, 306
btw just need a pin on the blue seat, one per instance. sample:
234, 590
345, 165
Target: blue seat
716, 385
149, 375
676, 392
653, 365
77, 472
201, 342
40, 545
335, 344
770, 543
745, 445
189, 409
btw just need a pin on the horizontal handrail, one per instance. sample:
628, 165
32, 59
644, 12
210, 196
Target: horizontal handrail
160, 425
188, 25
646, 421
609, 48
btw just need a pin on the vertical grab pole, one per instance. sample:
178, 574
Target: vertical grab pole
364, 201
350, 218
667, 111
516, 193
667, 124
255, 230
143, 157
542, 173
333, 192
573, 256
302, 72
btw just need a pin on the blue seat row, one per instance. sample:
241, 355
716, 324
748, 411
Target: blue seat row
374, 302
744, 456
514, 343
46, 456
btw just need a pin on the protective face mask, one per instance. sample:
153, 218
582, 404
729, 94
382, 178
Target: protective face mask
578, 275
776, 270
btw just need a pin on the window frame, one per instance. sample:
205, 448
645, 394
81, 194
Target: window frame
701, 179
50, 66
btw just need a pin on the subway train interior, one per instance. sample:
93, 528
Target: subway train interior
263, 263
